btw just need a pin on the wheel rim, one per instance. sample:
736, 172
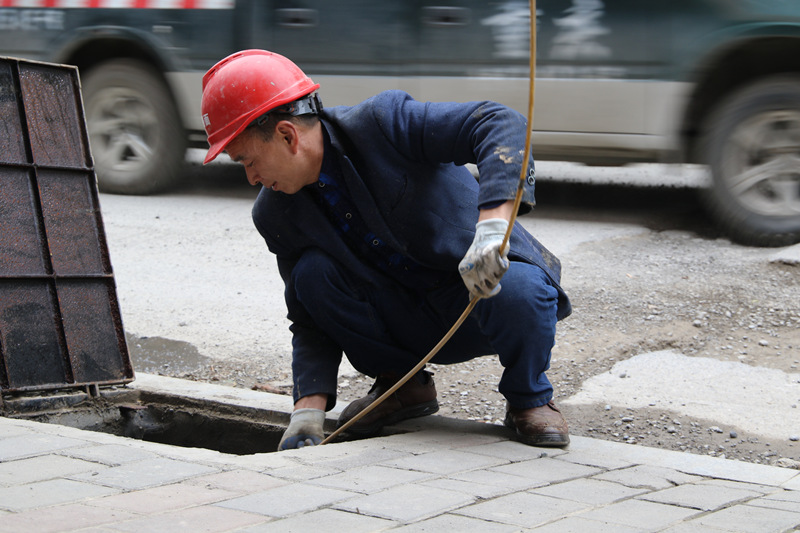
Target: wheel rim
123, 130
761, 163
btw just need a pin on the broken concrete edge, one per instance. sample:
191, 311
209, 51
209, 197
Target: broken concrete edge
280, 406
788, 256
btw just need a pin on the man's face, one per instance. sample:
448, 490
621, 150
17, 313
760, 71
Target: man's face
276, 164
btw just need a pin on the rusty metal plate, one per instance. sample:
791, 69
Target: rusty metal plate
50, 96
21, 234
60, 324
12, 145
72, 223
33, 351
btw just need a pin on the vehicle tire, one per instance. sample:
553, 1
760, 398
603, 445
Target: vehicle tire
752, 144
137, 139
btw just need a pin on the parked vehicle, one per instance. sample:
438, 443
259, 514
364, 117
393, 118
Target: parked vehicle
619, 81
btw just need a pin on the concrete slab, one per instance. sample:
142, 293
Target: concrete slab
370, 479
749, 519
523, 509
407, 503
42, 468
146, 473
710, 389
51, 492
789, 255
327, 519
700, 497
23, 446
641, 514
462, 524
287, 500
64, 517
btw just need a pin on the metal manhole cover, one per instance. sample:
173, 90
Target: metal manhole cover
60, 324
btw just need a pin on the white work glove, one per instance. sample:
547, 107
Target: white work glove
305, 429
484, 264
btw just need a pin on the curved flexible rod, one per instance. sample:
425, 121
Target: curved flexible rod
474, 300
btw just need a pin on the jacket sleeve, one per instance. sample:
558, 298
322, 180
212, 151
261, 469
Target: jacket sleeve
315, 356
487, 134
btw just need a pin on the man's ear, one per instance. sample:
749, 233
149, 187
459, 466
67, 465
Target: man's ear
287, 132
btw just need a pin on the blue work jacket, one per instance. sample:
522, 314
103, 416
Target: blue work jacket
402, 162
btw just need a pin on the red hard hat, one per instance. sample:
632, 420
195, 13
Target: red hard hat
244, 86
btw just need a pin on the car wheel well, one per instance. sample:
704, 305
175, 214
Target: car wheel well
93, 52
728, 71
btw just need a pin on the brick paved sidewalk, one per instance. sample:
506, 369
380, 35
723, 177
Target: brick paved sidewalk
445, 475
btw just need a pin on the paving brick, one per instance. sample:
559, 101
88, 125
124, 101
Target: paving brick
575, 524
446, 462
788, 500
475, 490
793, 483
512, 451
50, 492
688, 527
23, 446
43, 467
62, 518
648, 477
162, 499
362, 457
206, 519
110, 454
715, 467
700, 497
303, 472
637, 513
287, 500
238, 481
750, 519
323, 520
147, 473
599, 459
547, 470
755, 487
522, 509
591, 491
435, 440
456, 523
505, 482
406, 503
370, 479
11, 428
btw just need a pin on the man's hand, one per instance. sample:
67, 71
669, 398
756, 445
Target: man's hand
305, 429
484, 264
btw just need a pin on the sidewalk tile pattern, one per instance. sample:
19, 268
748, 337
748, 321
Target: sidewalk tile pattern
442, 475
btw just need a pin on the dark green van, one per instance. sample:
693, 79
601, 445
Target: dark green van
619, 81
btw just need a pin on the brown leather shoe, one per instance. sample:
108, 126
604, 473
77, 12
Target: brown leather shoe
539, 426
417, 397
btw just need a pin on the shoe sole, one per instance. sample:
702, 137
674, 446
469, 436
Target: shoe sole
544, 440
414, 411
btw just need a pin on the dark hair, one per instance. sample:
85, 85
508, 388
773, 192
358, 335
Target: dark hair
267, 127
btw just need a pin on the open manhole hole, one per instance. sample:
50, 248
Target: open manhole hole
156, 417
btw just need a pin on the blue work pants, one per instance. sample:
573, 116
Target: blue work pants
388, 328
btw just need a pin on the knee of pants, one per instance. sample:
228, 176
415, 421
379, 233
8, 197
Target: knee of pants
527, 289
